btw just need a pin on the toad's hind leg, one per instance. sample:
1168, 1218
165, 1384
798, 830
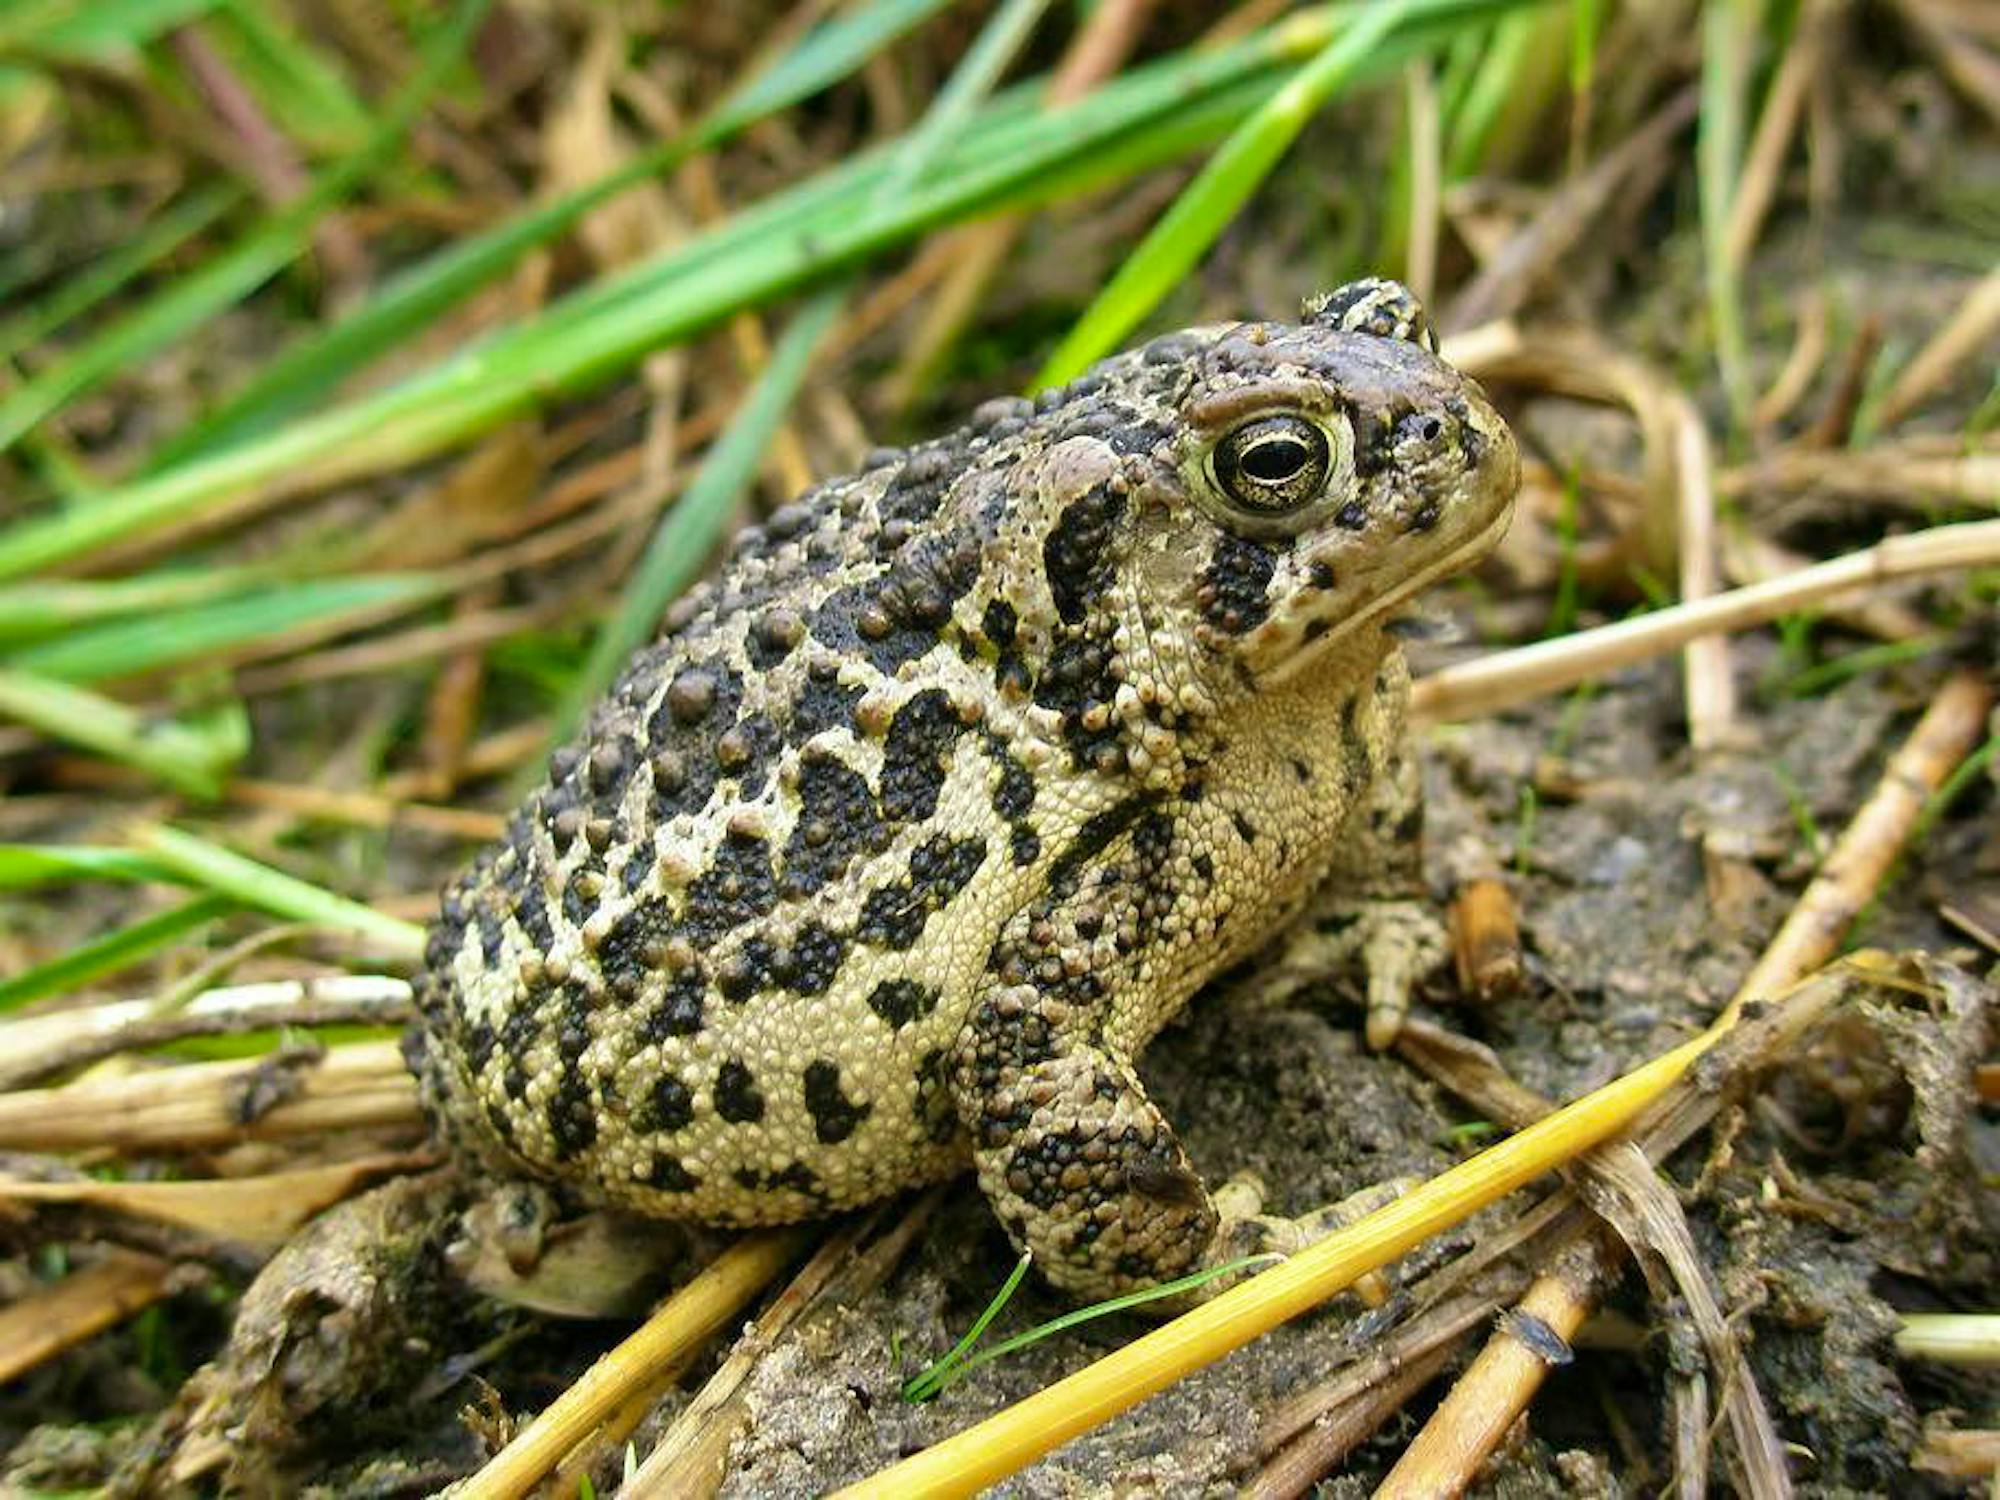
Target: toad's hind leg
1083, 1170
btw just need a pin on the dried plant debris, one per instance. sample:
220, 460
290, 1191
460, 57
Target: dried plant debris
339, 1327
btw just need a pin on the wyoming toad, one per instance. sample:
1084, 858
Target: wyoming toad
956, 783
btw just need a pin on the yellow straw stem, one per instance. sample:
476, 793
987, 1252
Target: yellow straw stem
1005, 1442
681, 1323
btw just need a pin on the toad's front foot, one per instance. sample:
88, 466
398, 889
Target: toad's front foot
1395, 941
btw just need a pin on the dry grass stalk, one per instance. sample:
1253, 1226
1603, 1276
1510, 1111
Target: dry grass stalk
1491, 1396
1621, 1185
1446, 1454
1986, 1083
82, 1305
1968, 1339
1507, 280
1971, 326
1750, 557
366, 809
1486, 1401
1972, 69
1861, 857
238, 1007
1003, 1443
1763, 165
1507, 678
1835, 425
1322, 1426
261, 1212
353, 809
1710, 688
102, 1031
364, 1086
1577, 364
1914, 474
380, 654
1486, 938
1299, 1467
682, 1322
1709, 683
1802, 365
1960, 1453
689, 1459
1426, 178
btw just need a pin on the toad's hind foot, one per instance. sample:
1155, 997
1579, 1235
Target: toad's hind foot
1088, 1177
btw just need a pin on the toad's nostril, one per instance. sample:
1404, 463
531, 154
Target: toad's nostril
1423, 429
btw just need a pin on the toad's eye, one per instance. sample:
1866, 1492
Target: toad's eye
1272, 464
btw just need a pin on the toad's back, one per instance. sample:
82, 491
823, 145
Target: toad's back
1035, 711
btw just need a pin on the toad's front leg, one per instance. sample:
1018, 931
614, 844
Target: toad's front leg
1370, 910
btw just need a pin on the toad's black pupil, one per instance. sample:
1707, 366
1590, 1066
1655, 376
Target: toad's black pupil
1274, 459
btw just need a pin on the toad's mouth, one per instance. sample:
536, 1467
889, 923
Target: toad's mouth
1464, 555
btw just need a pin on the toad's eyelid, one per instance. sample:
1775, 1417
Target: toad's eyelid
1220, 412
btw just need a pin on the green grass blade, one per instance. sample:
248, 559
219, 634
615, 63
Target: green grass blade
181, 222
189, 759
824, 56
305, 95
111, 953
321, 360
933, 1378
1729, 29
255, 259
28, 867
31, 611
1014, 157
971, 81
244, 880
205, 632
961, 1362
90, 29
1492, 84
1205, 208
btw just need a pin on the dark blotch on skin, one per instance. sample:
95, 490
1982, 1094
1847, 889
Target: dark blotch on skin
917, 755
1354, 747
813, 960
1234, 587
1076, 556
679, 1013
999, 624
573, 1106
737, 1097
673, 1105
795, 1177
684, 732
901, 1001
669, 1176
735, 891
822, 704
1092, 840
834, 1115
893, 916
838, 820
